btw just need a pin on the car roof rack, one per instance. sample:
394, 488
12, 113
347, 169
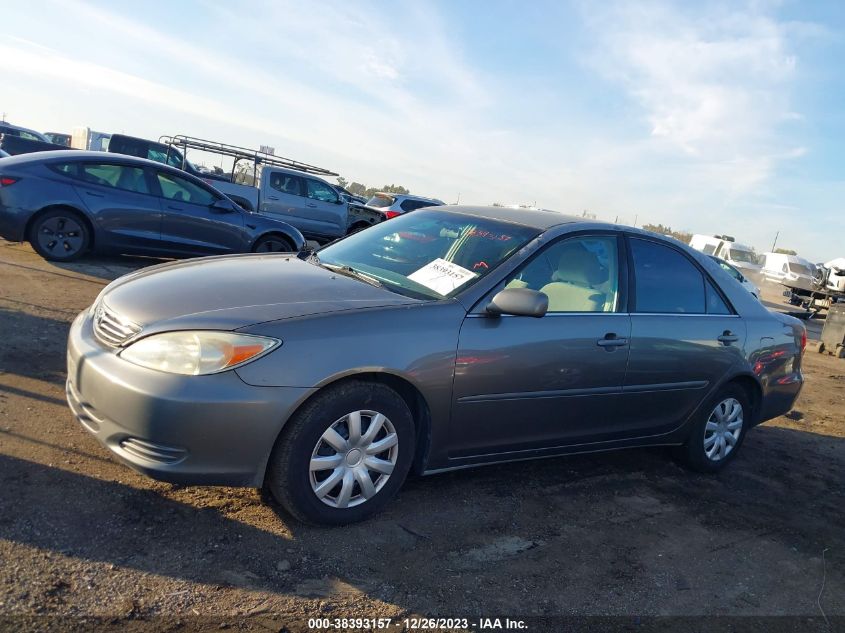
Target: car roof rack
240, 153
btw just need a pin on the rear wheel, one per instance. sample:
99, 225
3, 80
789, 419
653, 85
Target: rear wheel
273, 244
344, 455
360, 226
717, 436
60, 235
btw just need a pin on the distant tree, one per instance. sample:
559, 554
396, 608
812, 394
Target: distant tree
356, 188
497, 204
786, 251
387, 189
681, 236
342, 182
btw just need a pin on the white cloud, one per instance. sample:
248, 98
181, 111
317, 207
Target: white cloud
712, 83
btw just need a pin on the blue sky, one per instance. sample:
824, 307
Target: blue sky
714, 117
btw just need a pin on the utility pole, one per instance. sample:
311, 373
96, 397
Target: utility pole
776, 241
636, 215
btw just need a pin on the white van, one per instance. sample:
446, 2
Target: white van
790, 270
836, 280
724, 247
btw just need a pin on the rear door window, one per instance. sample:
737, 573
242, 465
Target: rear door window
115, 176
666, 281
286, 183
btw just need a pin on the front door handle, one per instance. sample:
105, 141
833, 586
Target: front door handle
172, 208
727, 337
95, 194
272, 198
312, 205
610, 341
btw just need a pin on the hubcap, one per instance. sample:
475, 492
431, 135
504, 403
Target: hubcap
353, 459
721, 433
60, 235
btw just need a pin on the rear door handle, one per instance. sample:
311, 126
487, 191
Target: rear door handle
727, 337
272, 198
610, 341
95, 194
312, 205
172, 208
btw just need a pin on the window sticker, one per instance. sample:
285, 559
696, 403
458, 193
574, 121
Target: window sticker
442, 276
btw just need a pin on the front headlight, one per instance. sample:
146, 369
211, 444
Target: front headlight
196, 353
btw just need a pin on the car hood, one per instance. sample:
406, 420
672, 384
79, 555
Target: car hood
746, 266
236, 291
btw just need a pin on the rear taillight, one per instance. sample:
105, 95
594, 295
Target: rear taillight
7, 181
391, 214
803, 339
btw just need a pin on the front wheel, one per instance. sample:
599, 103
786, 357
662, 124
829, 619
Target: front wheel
273, 244
717, 436
344, 455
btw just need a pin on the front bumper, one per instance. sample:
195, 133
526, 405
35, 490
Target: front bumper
211, 430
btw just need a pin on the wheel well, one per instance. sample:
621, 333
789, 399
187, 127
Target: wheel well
412, 397
753, 391
64, 207
358, 226
275, 234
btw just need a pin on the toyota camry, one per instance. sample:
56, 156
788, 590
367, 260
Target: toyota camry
446, 338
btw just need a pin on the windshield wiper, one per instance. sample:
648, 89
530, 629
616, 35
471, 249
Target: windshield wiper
351, 272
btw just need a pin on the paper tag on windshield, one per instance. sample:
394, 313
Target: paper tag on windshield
442, 276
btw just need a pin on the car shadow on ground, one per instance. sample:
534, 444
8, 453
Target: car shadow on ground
590, 520
105, 267
39, 348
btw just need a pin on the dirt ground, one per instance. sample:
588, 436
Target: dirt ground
619, 534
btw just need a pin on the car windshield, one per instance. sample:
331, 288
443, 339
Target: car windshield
429, 254
739, 255
800, 269
733, 272
380, 201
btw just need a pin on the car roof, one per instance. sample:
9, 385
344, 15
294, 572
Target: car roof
406, 196
11, 126
301, 174
85, 155
105, 157
541, 219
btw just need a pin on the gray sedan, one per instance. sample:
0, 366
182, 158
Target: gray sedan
443, 339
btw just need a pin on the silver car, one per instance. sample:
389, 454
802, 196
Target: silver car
443, 339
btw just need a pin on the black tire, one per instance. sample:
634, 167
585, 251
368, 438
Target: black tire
273, 244
60, 235
358, 227
694, 453
289, 476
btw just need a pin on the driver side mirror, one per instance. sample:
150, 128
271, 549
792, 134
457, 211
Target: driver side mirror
223, 206
519, 302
